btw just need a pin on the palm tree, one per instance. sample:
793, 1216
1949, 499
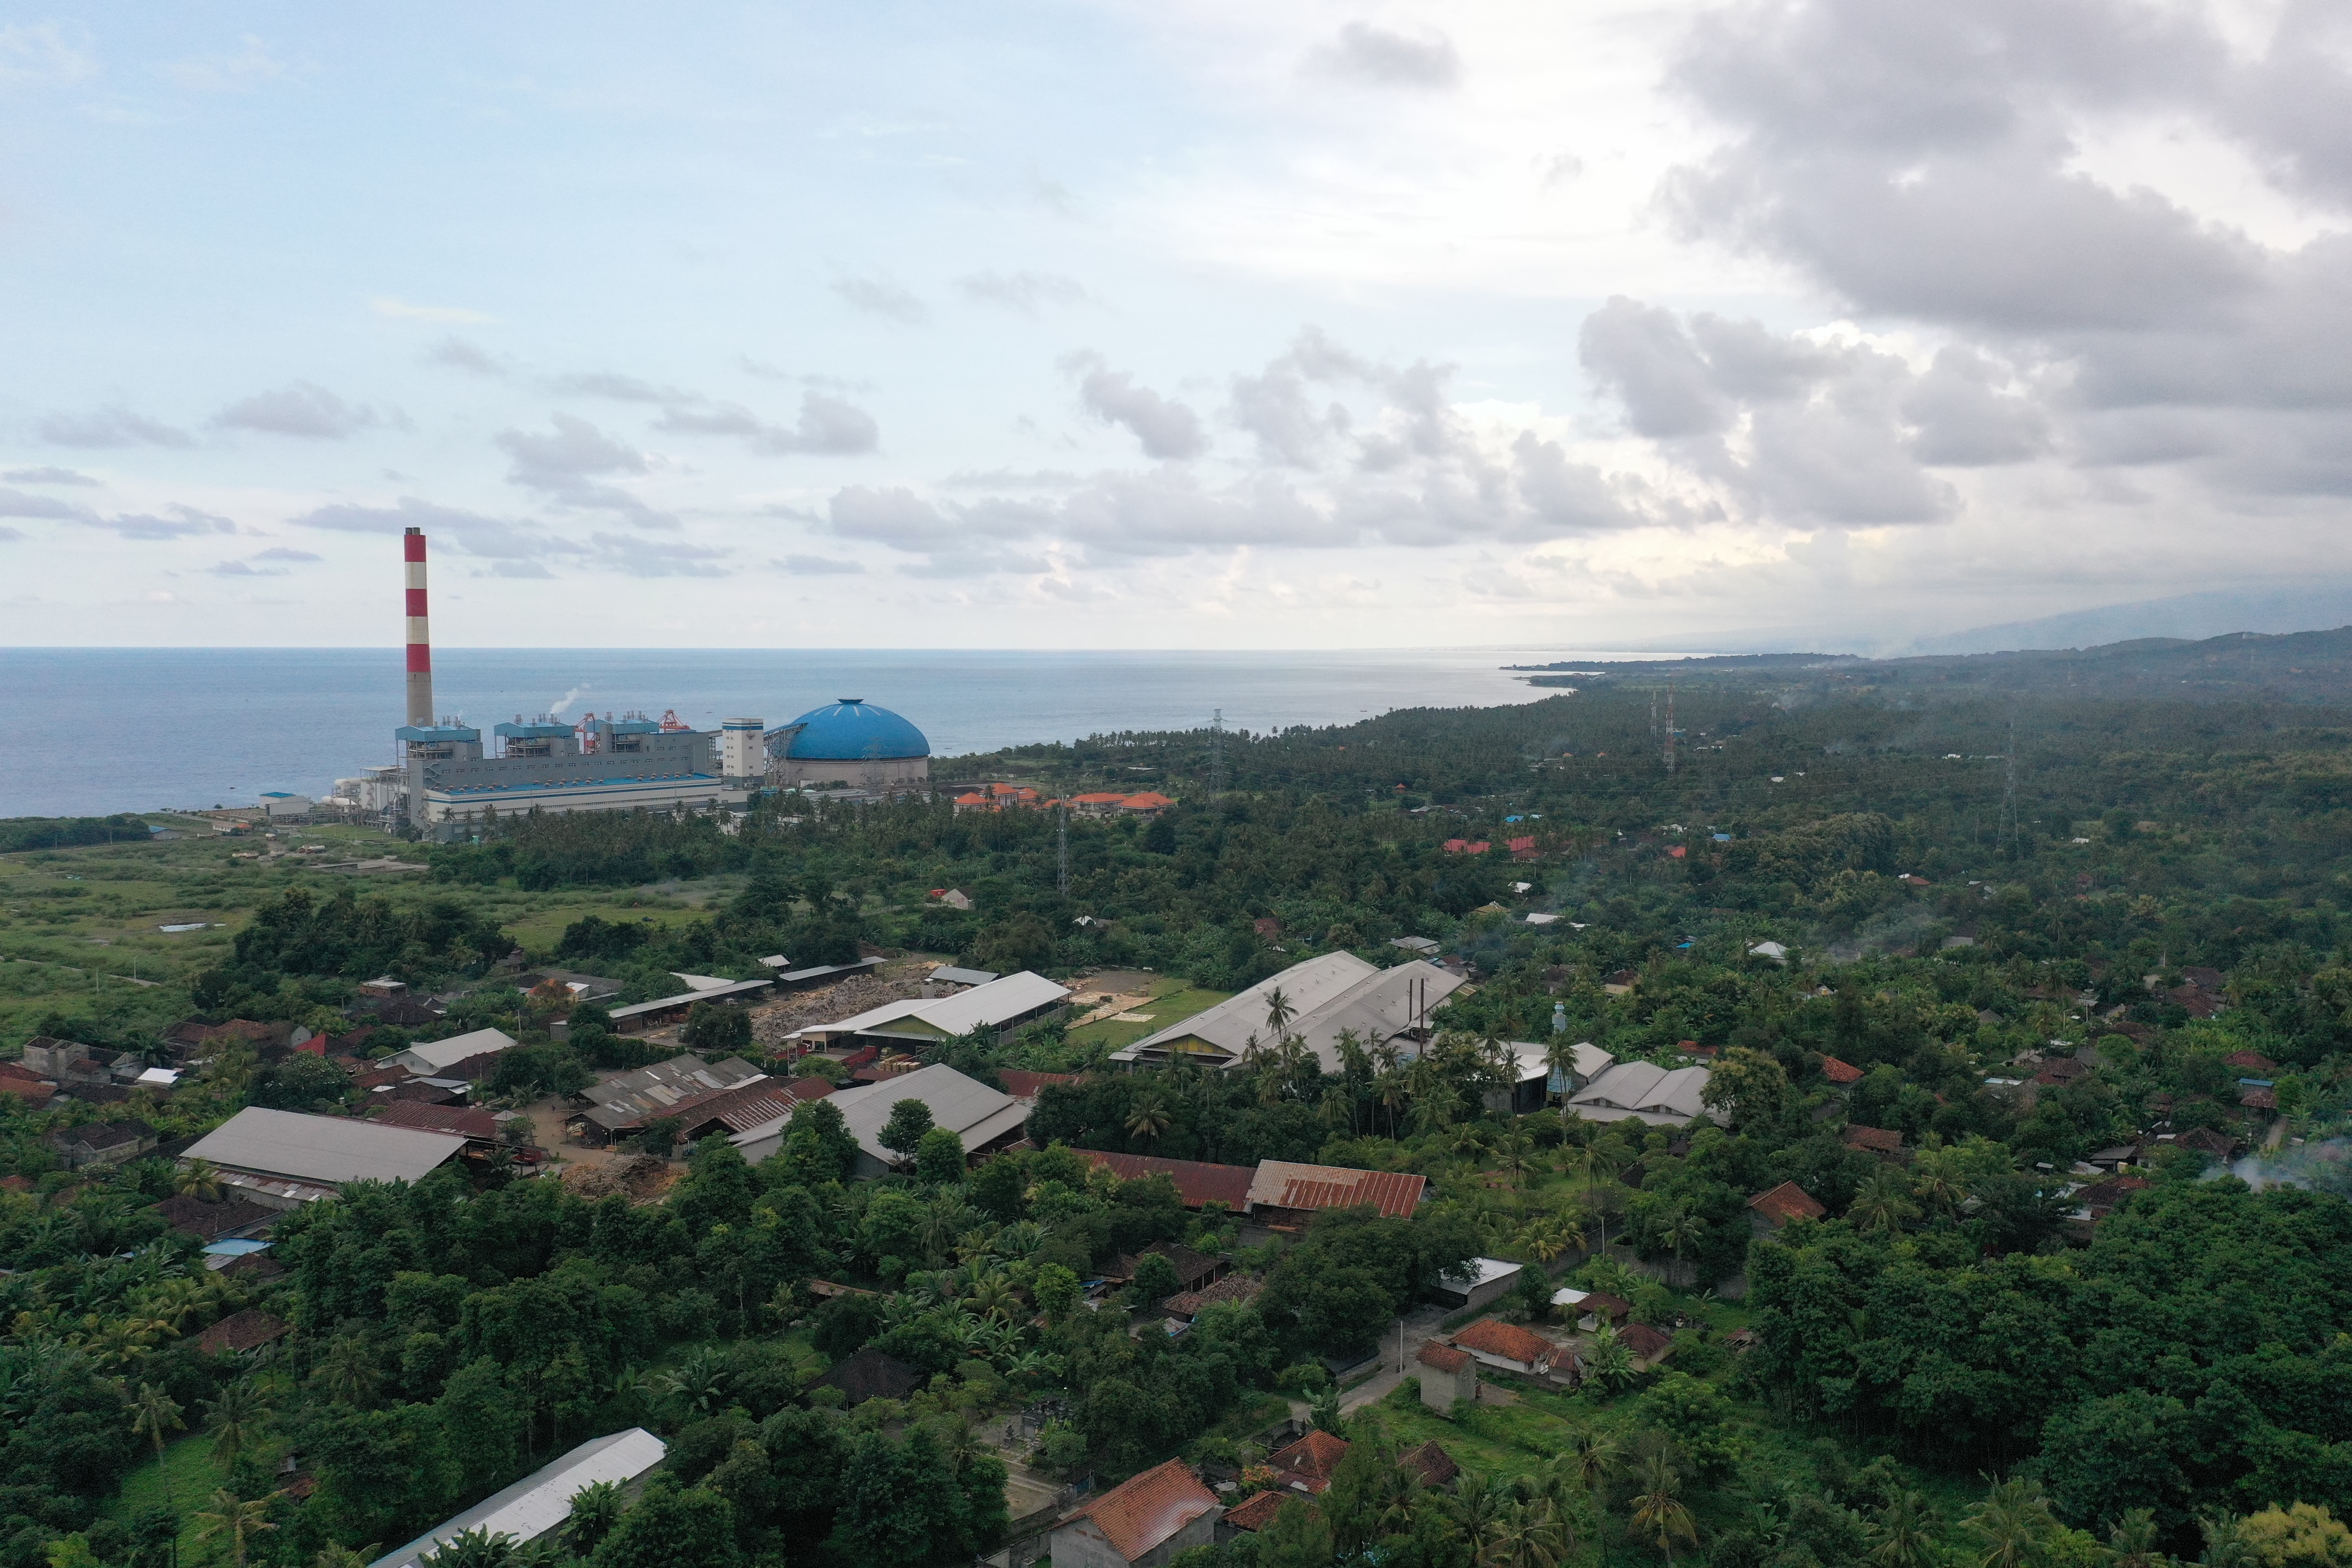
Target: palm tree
1683, 1229
1391, 1091
237, 1518
152, 1414
2133, 1539
1607, 1361
2226, 1545
1659, 1510
1148, 1117
595, 1509
1903, 1534
198, 1179
349, 1372
1544, 1238
1591, 1460
2012, 1522
1515, 1151
1524, 1534
1561, 1057
1939, 1180
235, 1419
1883, 1202
1278, 1013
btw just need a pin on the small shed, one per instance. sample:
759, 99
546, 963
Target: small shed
1446, 1375
1140, 1523
1769, 1211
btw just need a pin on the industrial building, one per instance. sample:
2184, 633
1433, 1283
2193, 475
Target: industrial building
851, 743
538, 1505
987, 1119
449, 780
1325, 996
284, 1159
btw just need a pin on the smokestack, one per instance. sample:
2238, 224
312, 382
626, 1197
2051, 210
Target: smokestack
420, 639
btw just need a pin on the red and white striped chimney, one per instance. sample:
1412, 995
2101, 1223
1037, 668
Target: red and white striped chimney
420, 638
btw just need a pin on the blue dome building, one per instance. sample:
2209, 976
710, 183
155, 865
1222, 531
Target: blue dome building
850, 742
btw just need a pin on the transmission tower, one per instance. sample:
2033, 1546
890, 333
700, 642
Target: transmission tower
1062, 849
2008, 790
1217, 754
1670, 732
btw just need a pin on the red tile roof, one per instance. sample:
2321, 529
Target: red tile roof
2254, 1060
1877, 1140
2260, 1100
1232, 1287
1496, 1338
1602, 1304
1837, 1071
1644, 1341
463, 1121
1312, 1458
1196, 1183
1259, 1512
1443, 1357
1282, 1184
241, 1331
1150, 800
1143, 1513
2108, 1194
1436, 1466
1786, 1202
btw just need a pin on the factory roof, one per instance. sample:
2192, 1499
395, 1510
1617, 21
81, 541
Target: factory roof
1327, 995
429, 733
851, 729
964, 1106
991, 1005
1643, 1091
665, 1089
436, 1055
719, 991
535, 1505
553, 786
325, 1149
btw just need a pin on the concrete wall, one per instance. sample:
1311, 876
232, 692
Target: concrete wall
1082, 1544
1438, 1390
864, 773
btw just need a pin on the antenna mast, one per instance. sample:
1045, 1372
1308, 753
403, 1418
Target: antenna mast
1670, 732
1217, 754
2008, 792
1062, 848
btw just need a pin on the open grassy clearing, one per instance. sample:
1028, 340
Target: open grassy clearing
1171, 999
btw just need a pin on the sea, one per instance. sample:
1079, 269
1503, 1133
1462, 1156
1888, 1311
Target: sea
85, 731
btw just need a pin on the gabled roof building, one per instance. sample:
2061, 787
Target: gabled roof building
1327, 995
539, 1504
1642, 1091
1139, 1523
985, 1119
283, 1158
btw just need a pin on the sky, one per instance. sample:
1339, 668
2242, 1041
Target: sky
1194, 324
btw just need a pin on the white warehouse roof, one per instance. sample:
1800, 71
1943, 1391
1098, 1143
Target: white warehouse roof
943, 1017
964, 1106
439, 1054
535, 1505
325, 1149
1337, 991
1643, 1091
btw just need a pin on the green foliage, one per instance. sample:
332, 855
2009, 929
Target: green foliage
714, 1029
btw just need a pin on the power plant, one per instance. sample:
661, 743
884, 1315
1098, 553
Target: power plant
446, 784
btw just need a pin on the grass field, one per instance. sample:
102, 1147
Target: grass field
1171, 1000
192, 1478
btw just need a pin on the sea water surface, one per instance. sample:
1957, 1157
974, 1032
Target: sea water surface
89, 730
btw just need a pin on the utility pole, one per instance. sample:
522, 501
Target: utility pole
1670, 732
2008, 793
1062, 848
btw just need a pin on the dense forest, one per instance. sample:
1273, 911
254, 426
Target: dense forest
1999, 932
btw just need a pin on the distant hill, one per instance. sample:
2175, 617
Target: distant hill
2187, 616
2299, 666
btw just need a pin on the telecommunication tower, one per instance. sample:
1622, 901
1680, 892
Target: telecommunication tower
1217, 754
1062, 848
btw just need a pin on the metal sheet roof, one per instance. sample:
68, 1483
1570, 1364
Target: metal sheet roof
984, 1007
663, 1088
1644, 1090
541, 1501
958, 1103
1327, 995
437, 1054
715, 992
1281, 1184
324, 1149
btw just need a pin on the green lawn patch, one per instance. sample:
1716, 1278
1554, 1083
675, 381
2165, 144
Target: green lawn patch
1176, 1002
188, 1464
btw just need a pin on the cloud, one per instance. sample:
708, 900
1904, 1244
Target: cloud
622, 388
1375, 57
826, 424
304, 410
564, 464
528, 570
896, 516
1009, 478
45, 476
880, 296
1027, 292
819, 566
112, 425
458, 355
1166, 428
248, 69
402, 311
282, 552
9, 535
244, 569
39, 53
181, 522
640, 557
471, 534
17, 503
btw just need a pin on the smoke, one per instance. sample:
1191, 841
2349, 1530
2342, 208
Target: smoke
2324, 1167
566, 700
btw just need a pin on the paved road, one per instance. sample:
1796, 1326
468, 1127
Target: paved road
1419, 1325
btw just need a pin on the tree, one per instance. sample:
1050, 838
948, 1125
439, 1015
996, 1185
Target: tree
1658, 1512
909, 1120
596, 1508
672, 1527
2012, 1525
715, 1029
152, 1416
1746, 1088
1155, 1280
2304, 1535
1882, 1203
198, 1179
1057, 1291
1903, 1534
818, 1145
1297, 1537
939, 1158
240, 1520
1148, 1117
236, 1418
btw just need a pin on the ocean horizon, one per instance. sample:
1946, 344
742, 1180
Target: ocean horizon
94, 730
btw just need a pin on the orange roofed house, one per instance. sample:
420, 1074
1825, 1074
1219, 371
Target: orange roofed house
1508, 1347
1143, 1521
1769, 1211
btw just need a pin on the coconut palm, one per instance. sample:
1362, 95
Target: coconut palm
198, 1179
1883, 1202
1903, 1534
349, 1372
1515, 1151
1659, 1512
152, 1414
238, 1518
1591, 1460
1607, 1361
2012, 1523
1939, 1180
236, 1418
2133, 1539
1391, 1091
1279, 1012
1148, 1117
1683, 1229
